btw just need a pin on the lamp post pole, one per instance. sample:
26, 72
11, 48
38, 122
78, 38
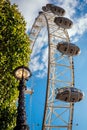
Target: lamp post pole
22, 73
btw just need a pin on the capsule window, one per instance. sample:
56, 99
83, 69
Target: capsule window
54, 9
73, 99
79, 99
66, 99
59, 10
60, 21
65, 22
62, 12
70, 24
76, 51
72, 90
71, 51
65, 49
58, 47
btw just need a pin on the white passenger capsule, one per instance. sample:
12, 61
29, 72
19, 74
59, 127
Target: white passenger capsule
69, 94
54, 9
58, 11
68, 48
63, 22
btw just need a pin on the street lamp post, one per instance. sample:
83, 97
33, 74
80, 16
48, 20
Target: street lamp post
21, 73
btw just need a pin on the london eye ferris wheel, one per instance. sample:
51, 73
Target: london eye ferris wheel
61, 93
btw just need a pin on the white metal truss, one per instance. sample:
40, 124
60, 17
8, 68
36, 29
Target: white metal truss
58, 115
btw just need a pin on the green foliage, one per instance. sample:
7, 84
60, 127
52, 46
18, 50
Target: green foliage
14, 51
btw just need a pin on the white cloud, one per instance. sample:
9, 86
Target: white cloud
79, 27
39, 63
35, 65
42, 74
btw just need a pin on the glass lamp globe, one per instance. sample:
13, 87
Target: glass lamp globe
22, 72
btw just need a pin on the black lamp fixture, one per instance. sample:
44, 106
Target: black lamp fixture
21, 73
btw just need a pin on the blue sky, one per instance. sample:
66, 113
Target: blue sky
76, 10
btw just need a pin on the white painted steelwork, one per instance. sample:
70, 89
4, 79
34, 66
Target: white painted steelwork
58, 115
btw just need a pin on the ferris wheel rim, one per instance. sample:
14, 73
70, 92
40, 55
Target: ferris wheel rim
42, 13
